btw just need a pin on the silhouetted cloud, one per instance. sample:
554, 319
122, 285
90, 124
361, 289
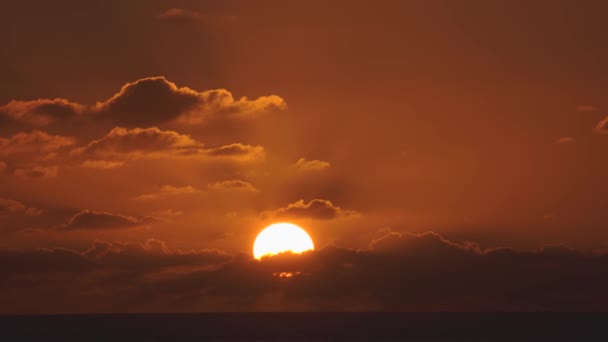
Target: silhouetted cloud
316, 209
114, 132
233, 185
146, 102
41, 112
93, 220
152, 255
398, 272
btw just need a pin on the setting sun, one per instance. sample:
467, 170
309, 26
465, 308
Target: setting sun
281, 237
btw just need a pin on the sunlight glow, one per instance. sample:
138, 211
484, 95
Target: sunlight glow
281, 237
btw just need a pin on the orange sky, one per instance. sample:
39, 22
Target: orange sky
198, 123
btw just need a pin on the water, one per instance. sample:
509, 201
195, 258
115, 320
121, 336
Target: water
308, 327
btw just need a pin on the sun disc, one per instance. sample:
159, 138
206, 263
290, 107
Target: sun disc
281, 237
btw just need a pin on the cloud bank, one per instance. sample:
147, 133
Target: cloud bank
411, 272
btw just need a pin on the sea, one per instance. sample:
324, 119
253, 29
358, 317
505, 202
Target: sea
307, 326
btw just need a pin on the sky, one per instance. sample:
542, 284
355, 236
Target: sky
442, 155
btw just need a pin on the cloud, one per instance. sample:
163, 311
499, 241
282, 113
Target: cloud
183, 15
602, 126
33, 211
420, 243
34, 142
152, 255
565, 140
38, 154
150, 101
180, 14
399, 272
41, 112
316, 209
37, 172
34, 154
139, 121
138, 142
234, 185
96, 220
9, 206
219, 104
146, 102
587, 108
102, 164
311, 165
133, 105
240, 151
169, 191
121, 145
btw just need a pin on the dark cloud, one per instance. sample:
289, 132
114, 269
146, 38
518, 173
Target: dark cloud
41, 112
398, 272
420, 243
146, 102
131, 117
153, 255
95, 220
428, 272
602, 126
316, 209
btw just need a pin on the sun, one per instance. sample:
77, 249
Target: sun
281, 237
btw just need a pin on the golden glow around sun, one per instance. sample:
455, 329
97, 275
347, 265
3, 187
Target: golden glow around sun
281, 237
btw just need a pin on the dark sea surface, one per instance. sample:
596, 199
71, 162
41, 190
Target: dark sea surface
308, 327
